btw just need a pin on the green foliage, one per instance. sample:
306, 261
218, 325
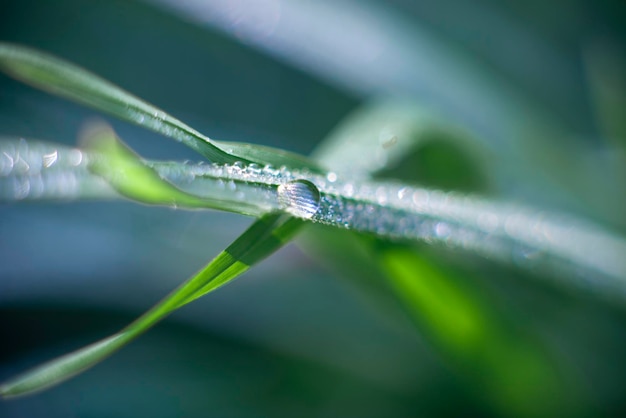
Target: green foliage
468, 328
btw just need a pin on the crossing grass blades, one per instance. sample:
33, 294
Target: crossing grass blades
286, 192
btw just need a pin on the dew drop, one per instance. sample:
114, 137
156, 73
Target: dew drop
269, 169
299, 197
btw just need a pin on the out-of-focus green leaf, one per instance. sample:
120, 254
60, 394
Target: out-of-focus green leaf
133, 178
264, 237
441, 162
125, 172
401, 140
510, 369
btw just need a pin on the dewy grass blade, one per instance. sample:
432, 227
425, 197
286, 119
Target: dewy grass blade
264, 237
516, 235
67, 80
511, 233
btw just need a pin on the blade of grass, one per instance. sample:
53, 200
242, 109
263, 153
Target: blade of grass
67, 80
579, 252
264, 237
133, 178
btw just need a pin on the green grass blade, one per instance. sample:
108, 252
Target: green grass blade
377, 140
67, 80
63, 368
499, 361
264, 237
135, 179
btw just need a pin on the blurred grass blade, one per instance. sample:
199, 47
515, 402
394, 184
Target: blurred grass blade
401, 140
605, 65
264, 237
569, 249
64, 367
376, 136
513, 372
500, 362
132, 177
106, 169
67, 80
34, 170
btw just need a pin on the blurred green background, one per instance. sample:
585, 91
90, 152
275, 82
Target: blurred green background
541, 86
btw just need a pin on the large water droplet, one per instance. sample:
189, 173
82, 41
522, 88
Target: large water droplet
299, 197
